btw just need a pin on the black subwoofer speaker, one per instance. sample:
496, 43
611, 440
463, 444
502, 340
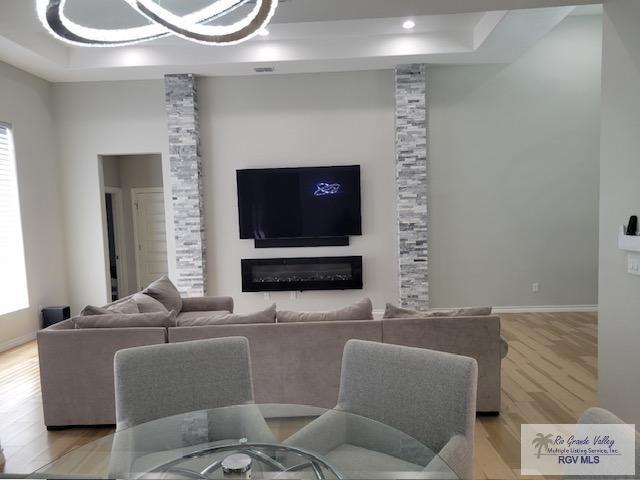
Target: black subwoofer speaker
53, 315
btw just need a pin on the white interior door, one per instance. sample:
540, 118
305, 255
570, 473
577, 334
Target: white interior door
150, 234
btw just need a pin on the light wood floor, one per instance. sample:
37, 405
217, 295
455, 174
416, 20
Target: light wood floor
549, 376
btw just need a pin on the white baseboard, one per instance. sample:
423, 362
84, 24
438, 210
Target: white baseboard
548, 309
531, 309
16, 342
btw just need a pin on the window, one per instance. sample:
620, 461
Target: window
13, 277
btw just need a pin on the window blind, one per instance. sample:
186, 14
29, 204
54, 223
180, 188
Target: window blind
13, 278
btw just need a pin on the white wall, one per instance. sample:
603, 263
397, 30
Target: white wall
300, 120
619, 326
93, 119
514, 153
26, 103
327, 119
111, 171
514, 171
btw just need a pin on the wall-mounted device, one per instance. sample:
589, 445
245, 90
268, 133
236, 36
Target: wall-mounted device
632, 226
299, 207
629, 241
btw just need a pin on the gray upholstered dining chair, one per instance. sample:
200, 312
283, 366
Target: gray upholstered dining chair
163, 381
431, 396
600, 416
158, 381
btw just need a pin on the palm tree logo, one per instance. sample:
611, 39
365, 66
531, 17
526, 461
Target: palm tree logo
542, 441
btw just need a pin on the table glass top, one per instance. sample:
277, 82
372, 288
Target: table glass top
277, 441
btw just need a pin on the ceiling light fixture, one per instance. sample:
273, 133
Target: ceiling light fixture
163, 23
408, 24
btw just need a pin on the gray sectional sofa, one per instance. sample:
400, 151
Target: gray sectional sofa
296, 363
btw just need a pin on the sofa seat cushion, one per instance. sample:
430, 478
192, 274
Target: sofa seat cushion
202, 319
392, 311
124, 320
362, 310
164, 291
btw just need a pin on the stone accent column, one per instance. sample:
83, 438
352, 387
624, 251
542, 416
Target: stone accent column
186, 183
411, 171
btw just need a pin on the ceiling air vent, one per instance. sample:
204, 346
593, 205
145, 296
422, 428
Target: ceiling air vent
264, 69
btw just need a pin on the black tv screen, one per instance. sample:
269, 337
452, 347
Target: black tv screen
299, 202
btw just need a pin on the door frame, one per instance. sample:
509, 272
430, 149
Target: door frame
118, 233
134, 215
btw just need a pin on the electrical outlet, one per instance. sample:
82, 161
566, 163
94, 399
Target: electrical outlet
633, 264
535, 288
267, 296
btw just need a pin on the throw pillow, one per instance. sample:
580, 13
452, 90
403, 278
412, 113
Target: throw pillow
391, 311
147, 304
166, 293
91, 310
126, 306
362, 310
123, 320
265, 316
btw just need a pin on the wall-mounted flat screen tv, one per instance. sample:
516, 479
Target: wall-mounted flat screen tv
299, 202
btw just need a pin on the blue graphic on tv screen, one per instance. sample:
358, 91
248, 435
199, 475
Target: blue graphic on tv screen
324, 189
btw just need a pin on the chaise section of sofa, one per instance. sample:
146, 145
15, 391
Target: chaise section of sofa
475, 337
76, 370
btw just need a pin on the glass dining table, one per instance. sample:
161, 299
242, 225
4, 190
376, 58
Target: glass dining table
254, 441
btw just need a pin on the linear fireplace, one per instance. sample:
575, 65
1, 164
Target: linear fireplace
300, 274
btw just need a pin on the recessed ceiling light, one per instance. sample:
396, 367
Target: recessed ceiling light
264, 32
408, 24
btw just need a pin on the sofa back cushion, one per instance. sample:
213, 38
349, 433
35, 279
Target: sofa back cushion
362, 310
123, 320
201, 319
391, 311
147, 304
164, 291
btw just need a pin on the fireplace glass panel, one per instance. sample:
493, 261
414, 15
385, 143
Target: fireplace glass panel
302, 273
291, 274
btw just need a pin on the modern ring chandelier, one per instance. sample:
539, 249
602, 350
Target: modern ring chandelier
163, 23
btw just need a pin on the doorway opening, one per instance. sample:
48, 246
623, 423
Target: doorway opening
134, 222
115, 243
